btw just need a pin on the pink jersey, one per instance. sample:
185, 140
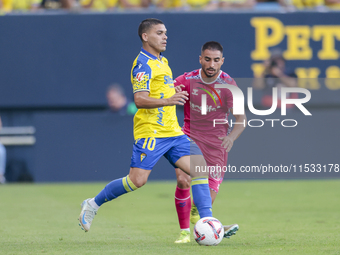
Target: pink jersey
200, 127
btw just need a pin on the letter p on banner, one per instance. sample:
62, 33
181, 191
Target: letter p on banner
220, 121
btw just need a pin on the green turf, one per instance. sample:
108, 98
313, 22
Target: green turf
275, 217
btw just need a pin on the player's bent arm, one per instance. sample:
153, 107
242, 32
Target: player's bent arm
143, 101
239, 126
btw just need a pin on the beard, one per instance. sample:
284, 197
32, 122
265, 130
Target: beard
209, 75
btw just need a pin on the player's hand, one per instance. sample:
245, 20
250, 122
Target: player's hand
178, 99
227, 143
179, 88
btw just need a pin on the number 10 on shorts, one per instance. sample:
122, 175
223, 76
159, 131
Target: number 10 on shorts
151, 142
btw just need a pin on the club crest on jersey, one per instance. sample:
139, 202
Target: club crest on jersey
142, 157
140, 76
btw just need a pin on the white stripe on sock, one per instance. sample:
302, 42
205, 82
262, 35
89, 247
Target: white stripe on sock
182, 198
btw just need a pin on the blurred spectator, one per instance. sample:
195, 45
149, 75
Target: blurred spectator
118, 102
99, 5
2, 160
19, 5
134, 4
302, 4
268, 5
227, 4
104, 5
187, 4
170, 4
210, 5
275, 75
202, 4
57, 4
333, 4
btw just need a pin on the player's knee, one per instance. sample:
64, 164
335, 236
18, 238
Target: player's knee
198, 166
183, 181
139, 182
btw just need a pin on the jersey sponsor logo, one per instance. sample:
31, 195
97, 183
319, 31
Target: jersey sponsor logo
140, 76
160, 113
142, 157
198, 108
168, 80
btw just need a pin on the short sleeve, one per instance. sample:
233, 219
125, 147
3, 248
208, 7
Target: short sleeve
141, 76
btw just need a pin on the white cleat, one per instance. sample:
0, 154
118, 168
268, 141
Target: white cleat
86, 215
230, 230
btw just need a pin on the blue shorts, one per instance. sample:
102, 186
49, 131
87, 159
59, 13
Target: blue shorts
147, 151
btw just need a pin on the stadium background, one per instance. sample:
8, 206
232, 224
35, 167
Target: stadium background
54, 71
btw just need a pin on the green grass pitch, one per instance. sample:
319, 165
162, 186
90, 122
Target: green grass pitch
275, 217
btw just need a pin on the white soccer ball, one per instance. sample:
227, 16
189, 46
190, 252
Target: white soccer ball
208, 231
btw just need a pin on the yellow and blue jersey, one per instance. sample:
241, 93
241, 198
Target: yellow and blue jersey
153, 75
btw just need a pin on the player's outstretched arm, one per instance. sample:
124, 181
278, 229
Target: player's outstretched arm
143, 101
239, 126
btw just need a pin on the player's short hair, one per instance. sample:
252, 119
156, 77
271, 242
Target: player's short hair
146, 24
212, 45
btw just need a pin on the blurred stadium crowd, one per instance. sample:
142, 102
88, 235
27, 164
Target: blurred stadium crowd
8, 6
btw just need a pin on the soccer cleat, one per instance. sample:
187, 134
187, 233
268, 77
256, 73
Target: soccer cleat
230, 230
194, 215
184, 237
86, 215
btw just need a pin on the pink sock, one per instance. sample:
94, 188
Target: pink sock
183, 207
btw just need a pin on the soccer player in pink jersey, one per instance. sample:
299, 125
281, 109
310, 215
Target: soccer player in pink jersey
214, 141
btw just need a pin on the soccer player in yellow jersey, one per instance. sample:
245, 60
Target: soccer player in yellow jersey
156, 128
